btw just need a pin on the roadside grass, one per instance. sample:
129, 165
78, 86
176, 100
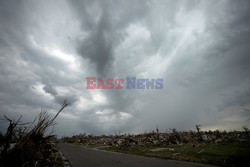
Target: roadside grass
232, 154
58, 161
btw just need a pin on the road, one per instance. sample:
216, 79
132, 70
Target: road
79, 156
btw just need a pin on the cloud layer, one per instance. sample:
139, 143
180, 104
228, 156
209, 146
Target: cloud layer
200, 49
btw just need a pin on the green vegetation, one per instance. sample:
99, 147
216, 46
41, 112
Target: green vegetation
232, 154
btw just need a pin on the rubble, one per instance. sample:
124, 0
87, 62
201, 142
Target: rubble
161, 140
176, 154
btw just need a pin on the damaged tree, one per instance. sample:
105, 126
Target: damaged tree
9, 134
32, 147
199, 133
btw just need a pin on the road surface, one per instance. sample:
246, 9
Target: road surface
79, 156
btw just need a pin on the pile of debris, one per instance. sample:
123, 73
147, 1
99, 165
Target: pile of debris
160, 139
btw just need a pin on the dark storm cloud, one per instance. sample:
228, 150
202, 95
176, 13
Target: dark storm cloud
49, 89
103, 21
25, 69
200, 48
98, 45
70, 98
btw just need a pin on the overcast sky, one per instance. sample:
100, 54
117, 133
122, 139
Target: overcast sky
200, 48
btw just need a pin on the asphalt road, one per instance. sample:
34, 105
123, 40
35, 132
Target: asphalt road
79, 156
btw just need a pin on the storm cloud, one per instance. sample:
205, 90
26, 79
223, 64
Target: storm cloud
200, 49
